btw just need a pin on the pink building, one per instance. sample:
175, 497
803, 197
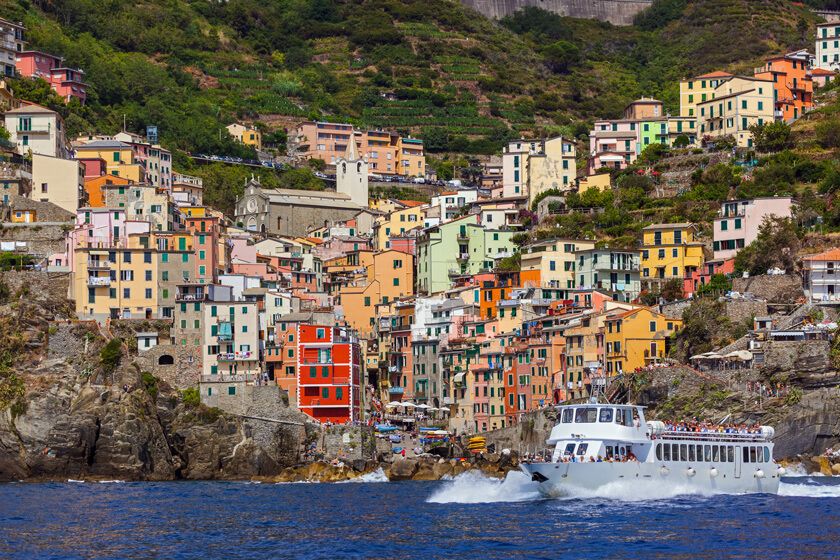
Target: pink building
67, 82
241, 251
739, 220
613, 144
94, 167
263, 270
341, 245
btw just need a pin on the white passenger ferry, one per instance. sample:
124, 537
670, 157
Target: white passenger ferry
598, 444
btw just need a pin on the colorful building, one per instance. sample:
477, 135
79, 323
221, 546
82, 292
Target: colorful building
793, 90
552, 263
329, 368
530, 167
828, 46
118, 157
739, 103
739, 220
37, 130
247, 135
637, 338
699, 90
612, 271
68, 83
670, 252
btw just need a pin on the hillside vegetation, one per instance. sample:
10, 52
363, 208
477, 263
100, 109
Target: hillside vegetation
429, 67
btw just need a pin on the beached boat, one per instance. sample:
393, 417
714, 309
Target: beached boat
595, 445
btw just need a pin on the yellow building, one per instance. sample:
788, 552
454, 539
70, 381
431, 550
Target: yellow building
246, 135
636, 338
670, 251
134, 279
739, 103
411, 160
398, 222
118, 157
389, 276
600, 181
699, 89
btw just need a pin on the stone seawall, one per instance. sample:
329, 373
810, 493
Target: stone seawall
617, 12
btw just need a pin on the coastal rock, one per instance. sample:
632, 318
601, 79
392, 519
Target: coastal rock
402, 469
835, 469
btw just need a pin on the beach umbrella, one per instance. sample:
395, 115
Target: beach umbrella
408, 404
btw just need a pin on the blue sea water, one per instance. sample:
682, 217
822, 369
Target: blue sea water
468, 517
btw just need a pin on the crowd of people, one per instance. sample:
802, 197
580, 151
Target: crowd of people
704, 427
767, 390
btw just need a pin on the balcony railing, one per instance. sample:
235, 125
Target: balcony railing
225, 378
236, 357
98, 265
34, 129
396, 390
95, 281
190, 297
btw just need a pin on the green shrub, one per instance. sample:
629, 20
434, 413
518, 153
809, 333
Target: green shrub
111, 355
150, 384
191, 397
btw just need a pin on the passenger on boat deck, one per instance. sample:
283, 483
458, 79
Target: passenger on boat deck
697, 426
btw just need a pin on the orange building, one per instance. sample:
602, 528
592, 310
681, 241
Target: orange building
93, 188
329, 365
206, 231
793, 89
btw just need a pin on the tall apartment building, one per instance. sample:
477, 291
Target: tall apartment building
828, 46
793, 89
11, 43
530, 167
386, 152
329, 370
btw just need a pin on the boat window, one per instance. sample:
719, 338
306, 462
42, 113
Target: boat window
567, 415
715, 455
730, 452
683, 452
746, 458
585, 415
753, 458
699, 452
667, 456
619, 416
628, 418
707, 453
690, 452
606, 415
582, 448
621, 452
766, 454
570, 448
658, 451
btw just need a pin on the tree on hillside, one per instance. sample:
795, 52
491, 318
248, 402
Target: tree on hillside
771, 137
777, 246
681, 141
561, 56
653, 153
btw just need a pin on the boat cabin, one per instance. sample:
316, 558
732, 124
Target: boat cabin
592, 432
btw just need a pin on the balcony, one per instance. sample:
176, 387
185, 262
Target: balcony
181, 296
463, 256
225, 378
34, 129
396, 390
98, 265
463, 237
237, 357
98, 281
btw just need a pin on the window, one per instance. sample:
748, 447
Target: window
320, 333
325, 392
652, 326
232, 390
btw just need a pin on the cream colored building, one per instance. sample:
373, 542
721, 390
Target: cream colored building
60, 181
37, 130
739, 103
247, 135
397, 222
551, 263
142, 202
530, 167
231, 339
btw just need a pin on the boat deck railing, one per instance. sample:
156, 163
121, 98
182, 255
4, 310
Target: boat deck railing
710, 436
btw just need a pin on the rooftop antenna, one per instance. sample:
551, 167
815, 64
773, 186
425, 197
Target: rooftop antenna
123, 122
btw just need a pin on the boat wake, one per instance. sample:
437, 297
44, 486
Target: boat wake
808, 487
473, 487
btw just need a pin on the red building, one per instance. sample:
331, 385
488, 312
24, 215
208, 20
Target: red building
329, 373
67, 82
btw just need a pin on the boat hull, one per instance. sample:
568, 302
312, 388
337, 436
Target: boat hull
565, 479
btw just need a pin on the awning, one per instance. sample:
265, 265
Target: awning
408, 404
742, 355
459, 377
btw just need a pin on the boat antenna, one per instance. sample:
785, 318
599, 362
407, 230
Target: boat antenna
724, 419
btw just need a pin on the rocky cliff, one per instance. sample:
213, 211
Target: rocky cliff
617, 12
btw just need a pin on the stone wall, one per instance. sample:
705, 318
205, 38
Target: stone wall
617, 12
799, 360
786, 288
675, 309
348, 443
53, 285
740, 311
184, 373
41, 239
528, 435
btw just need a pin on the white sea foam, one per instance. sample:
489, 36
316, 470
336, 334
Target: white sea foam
376, 476
473, 487
809, 490
111, 481
798, 469
75, 481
